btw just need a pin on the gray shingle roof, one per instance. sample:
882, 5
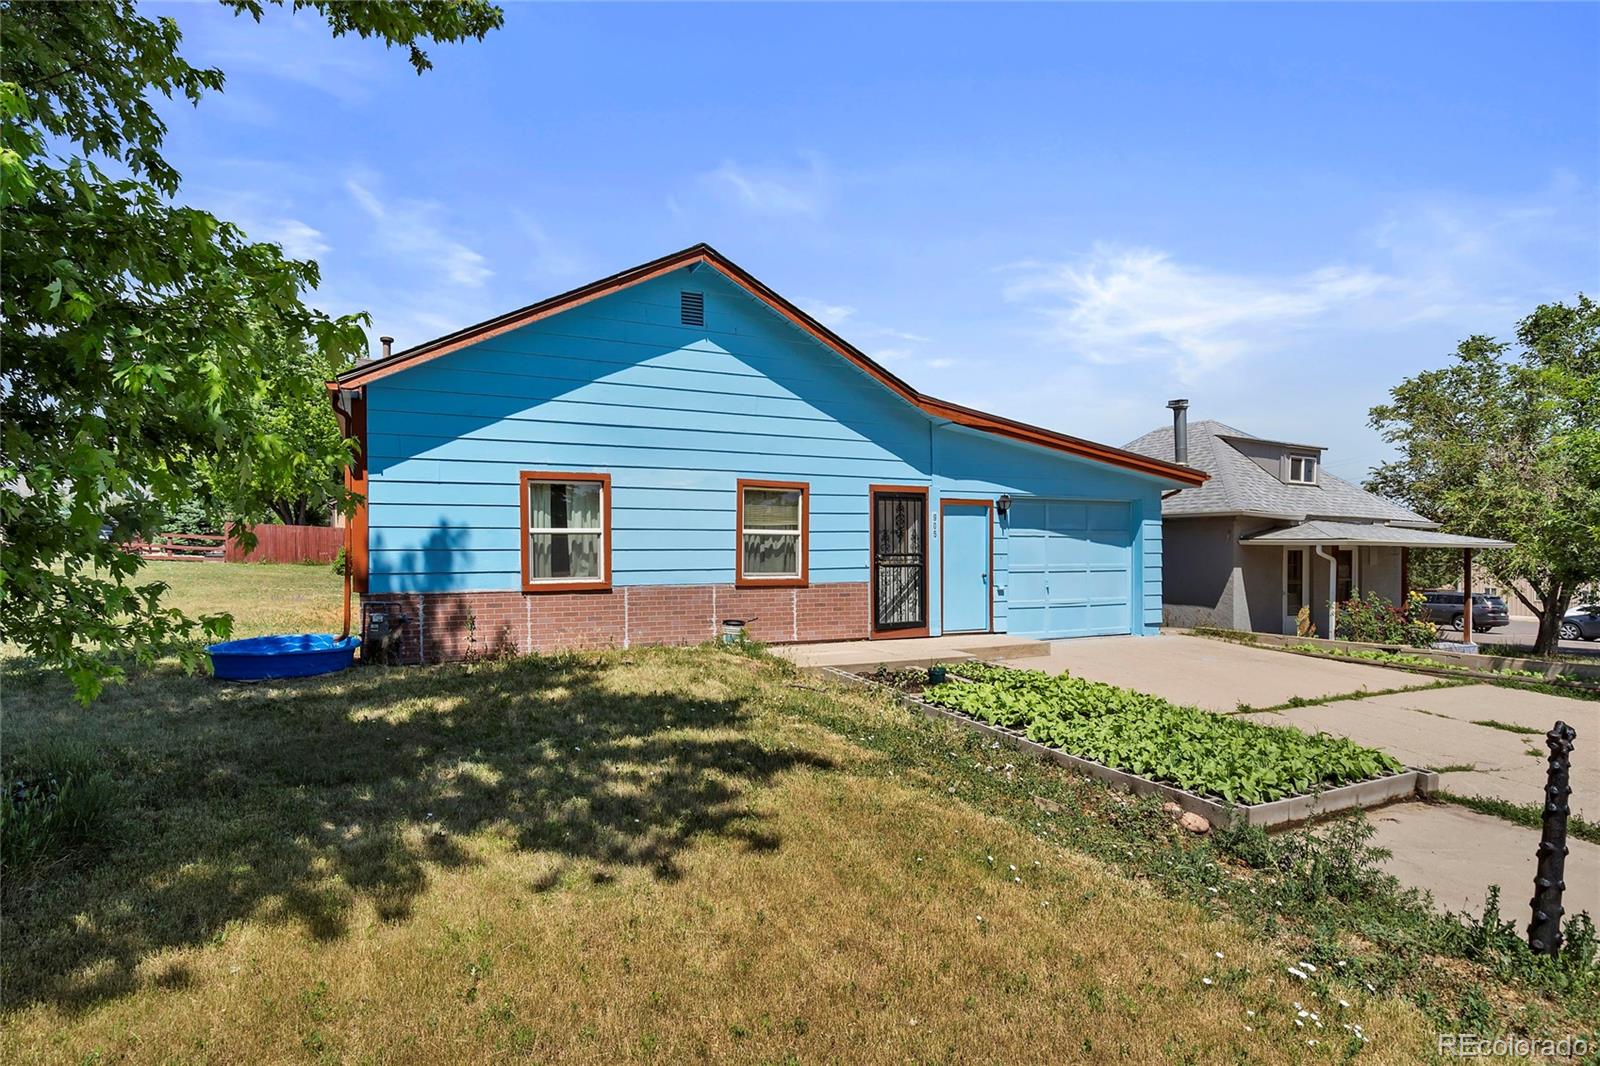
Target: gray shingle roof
1325, 532
1239, 486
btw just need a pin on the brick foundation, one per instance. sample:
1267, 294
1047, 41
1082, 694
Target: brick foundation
454, 625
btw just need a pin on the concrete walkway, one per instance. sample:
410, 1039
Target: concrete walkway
1447, 850
1456, 854
911, 652
1437, 729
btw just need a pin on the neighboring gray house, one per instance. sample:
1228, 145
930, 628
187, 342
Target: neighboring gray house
1272, 531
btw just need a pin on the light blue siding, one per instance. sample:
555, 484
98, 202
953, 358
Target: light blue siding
981, 465
676, 415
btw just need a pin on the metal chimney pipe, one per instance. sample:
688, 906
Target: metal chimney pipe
1180, 431
388, 346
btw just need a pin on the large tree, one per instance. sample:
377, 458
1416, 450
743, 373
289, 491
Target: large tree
1504, 442
302, 485
129, 341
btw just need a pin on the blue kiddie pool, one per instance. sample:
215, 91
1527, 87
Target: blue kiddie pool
289, 655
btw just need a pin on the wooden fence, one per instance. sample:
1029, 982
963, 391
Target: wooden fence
180, 547
289, 544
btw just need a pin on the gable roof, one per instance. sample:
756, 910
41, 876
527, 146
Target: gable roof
374, 370
1239, 487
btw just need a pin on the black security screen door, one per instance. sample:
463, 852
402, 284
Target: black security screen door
899, 561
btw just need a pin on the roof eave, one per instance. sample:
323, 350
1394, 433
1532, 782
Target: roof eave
704, 253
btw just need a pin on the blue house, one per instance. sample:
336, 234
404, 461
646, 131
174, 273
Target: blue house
639, 459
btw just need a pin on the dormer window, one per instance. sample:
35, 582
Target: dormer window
1302, 470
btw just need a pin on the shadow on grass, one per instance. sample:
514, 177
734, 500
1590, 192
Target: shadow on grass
298, 802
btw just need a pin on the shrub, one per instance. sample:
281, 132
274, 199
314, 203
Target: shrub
57, 800
1372, 619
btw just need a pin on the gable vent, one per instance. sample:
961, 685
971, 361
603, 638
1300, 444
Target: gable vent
692, 308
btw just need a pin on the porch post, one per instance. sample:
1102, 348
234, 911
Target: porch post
1466, 595
1405, 577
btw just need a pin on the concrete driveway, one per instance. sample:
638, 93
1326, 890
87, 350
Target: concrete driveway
1214, 674
1448, 850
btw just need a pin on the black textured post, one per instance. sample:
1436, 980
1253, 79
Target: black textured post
1544, 932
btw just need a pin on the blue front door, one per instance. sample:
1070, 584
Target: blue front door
966, 568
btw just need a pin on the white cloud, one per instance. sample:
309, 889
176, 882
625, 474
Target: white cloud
942, 362
295, 47
543, 255
830, 315
804, 190
1120, 305
411, 229
299, 239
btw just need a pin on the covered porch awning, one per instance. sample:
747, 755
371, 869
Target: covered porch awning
1366, 534
1320, 536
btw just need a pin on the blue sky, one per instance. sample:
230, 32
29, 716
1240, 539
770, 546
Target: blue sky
1067, 214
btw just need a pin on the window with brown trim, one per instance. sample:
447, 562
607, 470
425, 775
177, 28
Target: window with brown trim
566, 531
772, 524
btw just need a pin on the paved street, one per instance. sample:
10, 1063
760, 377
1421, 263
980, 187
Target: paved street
1525, 632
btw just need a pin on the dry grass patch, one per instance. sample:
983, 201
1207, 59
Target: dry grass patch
642, 856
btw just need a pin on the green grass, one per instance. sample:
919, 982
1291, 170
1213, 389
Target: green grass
1509, 727
1529, 815
668, 855
264, 598
1455, 768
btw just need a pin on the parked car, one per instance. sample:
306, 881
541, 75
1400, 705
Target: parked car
1445, 609
1581, 623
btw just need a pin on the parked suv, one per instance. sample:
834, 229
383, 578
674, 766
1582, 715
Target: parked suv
1445, 609
1581, 623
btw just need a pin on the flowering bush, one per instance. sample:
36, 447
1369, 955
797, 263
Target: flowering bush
1374, 620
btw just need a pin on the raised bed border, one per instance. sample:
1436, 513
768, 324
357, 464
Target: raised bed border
1480, 666
1291, 810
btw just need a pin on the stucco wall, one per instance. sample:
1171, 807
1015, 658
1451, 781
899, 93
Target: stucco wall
1200, 573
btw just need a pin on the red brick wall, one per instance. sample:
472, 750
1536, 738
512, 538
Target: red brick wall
453, 625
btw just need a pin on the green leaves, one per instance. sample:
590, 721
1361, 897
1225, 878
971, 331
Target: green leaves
149, 348
1230, 758
1504, 442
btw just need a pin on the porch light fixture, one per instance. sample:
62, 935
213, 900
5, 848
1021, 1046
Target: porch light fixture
1003, 504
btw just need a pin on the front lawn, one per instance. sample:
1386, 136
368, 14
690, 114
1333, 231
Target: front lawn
664, 855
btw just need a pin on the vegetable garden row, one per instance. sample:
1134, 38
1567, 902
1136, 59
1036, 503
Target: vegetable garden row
1211, 755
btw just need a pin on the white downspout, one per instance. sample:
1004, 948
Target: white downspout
1333, 586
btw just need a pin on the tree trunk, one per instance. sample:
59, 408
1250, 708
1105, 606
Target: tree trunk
1552, 606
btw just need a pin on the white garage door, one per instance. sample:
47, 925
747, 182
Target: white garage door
1071, 568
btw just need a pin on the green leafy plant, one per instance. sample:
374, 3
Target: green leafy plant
1373, 619
1212, 755
57, 799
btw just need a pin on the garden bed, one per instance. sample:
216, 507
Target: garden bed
1136, 742
1484, 665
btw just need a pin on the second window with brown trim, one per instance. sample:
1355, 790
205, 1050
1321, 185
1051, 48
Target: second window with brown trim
566, 531
773, 520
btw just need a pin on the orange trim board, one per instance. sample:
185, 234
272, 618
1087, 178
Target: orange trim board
599, 584
744, 581
704, 253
